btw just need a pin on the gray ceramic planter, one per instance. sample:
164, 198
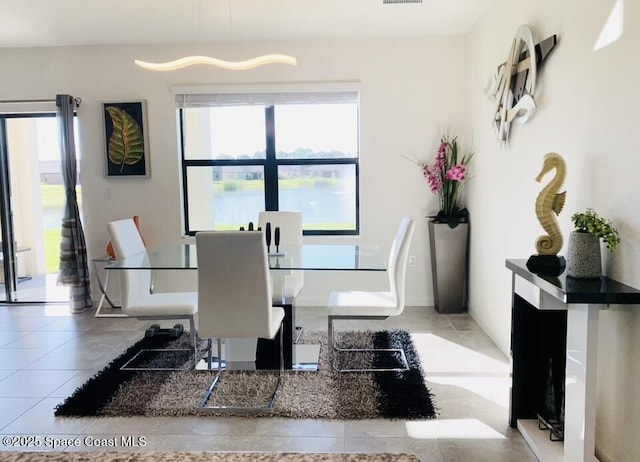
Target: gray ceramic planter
449, 266
583, 256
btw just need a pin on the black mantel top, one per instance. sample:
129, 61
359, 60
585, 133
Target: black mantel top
572, 290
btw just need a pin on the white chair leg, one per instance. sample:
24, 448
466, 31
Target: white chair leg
203, 407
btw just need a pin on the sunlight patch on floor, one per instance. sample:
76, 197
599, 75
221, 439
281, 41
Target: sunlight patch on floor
494, 389
450, 364
444, 357
471, 429
57, 310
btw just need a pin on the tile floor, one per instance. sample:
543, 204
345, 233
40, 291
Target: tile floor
46, 353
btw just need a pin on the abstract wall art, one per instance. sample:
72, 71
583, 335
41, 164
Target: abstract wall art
512, 87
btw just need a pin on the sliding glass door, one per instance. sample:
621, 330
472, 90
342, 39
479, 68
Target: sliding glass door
32, 198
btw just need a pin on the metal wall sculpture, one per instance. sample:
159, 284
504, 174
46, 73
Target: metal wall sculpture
512, 87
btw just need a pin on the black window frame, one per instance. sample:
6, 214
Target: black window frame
270, 166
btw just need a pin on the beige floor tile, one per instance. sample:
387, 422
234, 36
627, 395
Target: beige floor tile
79, 323
205, 425
24, 311
17, 358
201, 443
12, 408
33, 383
136, 425
236, 426
296, 444
462, 321
464, 369
478, 341
481, 450
71, 385
300, 427
7, 337
24, 324
383, 428
72, 359
42, 339
39, 420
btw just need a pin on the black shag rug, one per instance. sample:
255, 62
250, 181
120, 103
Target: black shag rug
325, 394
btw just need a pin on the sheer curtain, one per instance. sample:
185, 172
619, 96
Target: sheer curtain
74, 270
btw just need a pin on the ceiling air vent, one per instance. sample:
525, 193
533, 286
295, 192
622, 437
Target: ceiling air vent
391, 2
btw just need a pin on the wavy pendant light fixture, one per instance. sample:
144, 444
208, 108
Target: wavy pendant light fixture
231, 65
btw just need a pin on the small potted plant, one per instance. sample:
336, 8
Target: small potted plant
583, 255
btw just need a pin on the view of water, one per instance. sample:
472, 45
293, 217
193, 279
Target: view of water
318, 205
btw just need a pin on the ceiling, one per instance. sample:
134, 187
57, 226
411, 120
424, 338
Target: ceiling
35, 23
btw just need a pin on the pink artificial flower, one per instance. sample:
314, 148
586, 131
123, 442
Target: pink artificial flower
425, 170
432, 174
456, 173
435, 184
440, 156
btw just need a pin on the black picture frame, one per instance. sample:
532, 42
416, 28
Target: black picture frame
126, 146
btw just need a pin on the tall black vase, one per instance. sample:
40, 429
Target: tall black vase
449, 257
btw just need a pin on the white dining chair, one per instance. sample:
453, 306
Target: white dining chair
234, 299
286, 285
135, 284
371, 305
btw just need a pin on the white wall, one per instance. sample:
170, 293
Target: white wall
410, 87
586, 112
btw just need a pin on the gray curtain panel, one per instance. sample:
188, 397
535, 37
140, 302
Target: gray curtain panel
74, 270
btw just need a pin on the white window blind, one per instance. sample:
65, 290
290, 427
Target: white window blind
28, 107
186, 100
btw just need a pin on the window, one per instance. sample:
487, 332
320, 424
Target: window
244, 153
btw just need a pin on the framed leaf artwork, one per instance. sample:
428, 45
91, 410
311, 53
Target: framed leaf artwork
125, 140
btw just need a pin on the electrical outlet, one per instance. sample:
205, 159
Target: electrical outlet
412, 261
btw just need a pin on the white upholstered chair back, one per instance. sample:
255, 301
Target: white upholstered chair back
290, 224
287, 283
135, 285
398, 255
234, 286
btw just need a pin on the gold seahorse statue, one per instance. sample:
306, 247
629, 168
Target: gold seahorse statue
549, 204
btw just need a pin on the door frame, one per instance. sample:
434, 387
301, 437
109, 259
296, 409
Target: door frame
6, 214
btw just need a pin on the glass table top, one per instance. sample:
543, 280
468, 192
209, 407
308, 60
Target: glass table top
313, 257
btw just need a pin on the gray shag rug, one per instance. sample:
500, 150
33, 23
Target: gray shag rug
325, 394
201, 457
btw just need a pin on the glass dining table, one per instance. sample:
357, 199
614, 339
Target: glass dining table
308, 257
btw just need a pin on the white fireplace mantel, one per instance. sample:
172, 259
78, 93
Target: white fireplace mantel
542, 302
